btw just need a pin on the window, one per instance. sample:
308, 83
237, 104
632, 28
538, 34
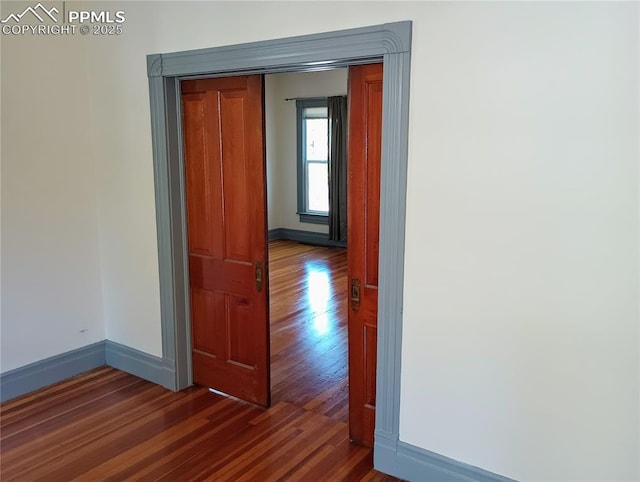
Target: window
313, 160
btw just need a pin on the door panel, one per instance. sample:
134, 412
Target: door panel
197, 172
365, 140
225, 190
373, 117
203, 333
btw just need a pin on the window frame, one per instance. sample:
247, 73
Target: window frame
304, 214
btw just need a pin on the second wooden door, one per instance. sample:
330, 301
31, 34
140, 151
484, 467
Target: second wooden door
365, 141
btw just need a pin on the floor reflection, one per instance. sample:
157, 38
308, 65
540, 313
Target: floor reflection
308, 289
318, 296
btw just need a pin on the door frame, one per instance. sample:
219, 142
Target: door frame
389, 43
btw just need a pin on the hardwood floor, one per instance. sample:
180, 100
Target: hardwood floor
109, 425
308, 294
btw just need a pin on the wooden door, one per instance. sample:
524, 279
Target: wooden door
225, 190
365, 140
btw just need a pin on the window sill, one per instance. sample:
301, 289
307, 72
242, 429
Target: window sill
314, 218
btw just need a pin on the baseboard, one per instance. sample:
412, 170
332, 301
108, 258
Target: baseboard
275, 234
308, 237
51, 370
23, 380
140, 364
413, 463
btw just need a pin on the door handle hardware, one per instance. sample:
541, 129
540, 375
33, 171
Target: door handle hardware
259, 276
355, 293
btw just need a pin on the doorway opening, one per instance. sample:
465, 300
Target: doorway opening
389, 43
307, 278
226, 182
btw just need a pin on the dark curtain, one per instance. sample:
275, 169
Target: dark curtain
337, 111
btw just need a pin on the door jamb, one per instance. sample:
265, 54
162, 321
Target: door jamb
390, 43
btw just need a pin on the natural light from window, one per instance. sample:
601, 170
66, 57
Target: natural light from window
317, 157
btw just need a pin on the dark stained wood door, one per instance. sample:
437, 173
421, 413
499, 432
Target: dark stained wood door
365, 140
225, 190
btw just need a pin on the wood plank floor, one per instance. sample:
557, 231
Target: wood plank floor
109, 425
308, 287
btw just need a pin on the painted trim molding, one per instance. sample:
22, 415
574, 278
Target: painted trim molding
42, 373
313, 218
301, 236
301, 148
138, 363
413, 463
389, 43
28, 378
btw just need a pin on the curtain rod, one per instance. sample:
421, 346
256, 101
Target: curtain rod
323, 97
305, 98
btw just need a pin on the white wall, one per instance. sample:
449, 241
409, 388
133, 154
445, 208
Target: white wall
281, 139
271, 152
522, 244
121, 135
51, 286
520, 329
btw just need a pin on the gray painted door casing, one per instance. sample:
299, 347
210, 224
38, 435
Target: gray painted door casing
390, 43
